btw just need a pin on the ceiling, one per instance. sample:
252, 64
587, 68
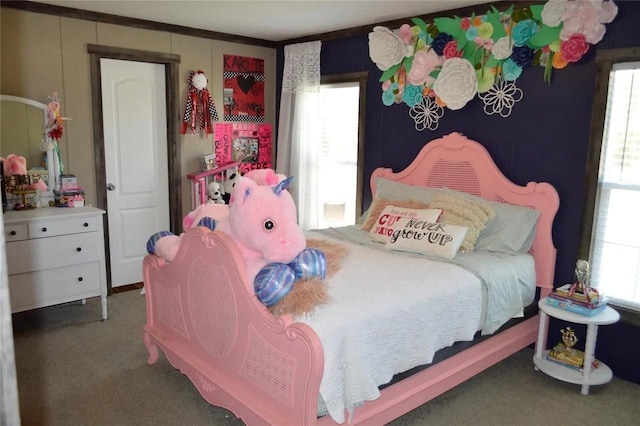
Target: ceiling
265, 19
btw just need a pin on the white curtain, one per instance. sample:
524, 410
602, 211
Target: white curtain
299, 134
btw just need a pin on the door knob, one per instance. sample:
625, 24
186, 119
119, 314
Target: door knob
111, 186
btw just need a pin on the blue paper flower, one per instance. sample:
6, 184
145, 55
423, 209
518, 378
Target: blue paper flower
440, 41
388, 98
412, 95
523, 55
472, 33
523, 31
510, 70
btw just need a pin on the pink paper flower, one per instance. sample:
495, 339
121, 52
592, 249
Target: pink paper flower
451, 50
574, 48
424, 61
587, 17
405, 33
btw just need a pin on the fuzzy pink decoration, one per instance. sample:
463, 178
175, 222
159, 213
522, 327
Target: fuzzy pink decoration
265, 176
15, 165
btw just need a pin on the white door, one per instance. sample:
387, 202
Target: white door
135, 146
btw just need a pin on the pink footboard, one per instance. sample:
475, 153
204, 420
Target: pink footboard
204, 316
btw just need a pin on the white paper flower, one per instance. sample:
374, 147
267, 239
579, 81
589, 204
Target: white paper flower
502, 48
552, 12
457, 83
199, 81
501, 98
386, 49
426, 114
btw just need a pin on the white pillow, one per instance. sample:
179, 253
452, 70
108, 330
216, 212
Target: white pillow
388, 220
436, 239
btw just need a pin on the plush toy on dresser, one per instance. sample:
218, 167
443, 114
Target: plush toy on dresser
262, 220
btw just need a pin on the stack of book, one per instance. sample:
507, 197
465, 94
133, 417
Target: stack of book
577, 302
569, 357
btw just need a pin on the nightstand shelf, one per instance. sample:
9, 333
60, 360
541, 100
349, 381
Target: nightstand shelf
600, 375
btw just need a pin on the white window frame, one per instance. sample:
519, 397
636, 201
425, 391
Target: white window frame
598, 189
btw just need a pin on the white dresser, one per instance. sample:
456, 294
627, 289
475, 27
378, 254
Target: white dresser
55, 255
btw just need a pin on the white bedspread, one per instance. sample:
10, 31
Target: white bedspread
365, 343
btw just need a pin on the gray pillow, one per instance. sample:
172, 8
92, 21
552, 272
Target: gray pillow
512, 230
396, 191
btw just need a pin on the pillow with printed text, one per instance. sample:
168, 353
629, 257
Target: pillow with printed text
387, 222
429, 238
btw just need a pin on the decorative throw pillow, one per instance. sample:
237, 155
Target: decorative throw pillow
396, 191
380, 203
512, 230
436, 239
388, 220
463, 212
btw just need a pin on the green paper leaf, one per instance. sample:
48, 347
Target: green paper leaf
389, 73
435, 73
408, 61
536, 11
420, 24
548, 69
545, 36
498, 28
449, 26
469, 53
492, 62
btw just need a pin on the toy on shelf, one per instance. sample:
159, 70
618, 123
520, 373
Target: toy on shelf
201, 179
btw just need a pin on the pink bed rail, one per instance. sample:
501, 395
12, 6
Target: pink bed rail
206, 319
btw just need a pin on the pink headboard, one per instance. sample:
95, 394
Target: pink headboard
456, 162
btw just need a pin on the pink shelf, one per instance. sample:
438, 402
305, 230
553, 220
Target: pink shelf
199, 182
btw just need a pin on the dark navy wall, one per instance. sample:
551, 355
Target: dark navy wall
545, 139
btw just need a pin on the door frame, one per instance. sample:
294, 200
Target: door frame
171, 72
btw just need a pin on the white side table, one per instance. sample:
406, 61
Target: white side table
600, 375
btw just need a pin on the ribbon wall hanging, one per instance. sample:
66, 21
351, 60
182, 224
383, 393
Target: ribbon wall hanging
200, 109
445, 64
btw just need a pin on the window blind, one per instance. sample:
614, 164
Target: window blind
615, 244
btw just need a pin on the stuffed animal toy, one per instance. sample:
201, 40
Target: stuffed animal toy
229, 183
215, 192
17, 165
262, 220
14, 165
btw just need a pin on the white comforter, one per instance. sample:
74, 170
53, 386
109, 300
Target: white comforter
433, 304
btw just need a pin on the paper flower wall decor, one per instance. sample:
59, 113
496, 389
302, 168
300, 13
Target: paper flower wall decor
445, 64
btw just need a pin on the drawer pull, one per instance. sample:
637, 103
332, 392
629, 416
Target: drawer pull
13, 232
80, 279
79, 249
44, 229
85, 224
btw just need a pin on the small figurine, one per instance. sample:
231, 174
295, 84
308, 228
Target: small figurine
580, 286
569, 337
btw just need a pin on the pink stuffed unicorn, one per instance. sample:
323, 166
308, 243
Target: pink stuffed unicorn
262, 220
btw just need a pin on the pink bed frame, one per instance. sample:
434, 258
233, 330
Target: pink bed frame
203, 314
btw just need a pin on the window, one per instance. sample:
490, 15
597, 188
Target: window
613, 182
340, 159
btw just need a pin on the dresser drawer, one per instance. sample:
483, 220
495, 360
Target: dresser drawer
62, 227
46, 253
43, 288
16, 232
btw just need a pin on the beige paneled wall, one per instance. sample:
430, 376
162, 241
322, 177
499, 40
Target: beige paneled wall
42, 53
